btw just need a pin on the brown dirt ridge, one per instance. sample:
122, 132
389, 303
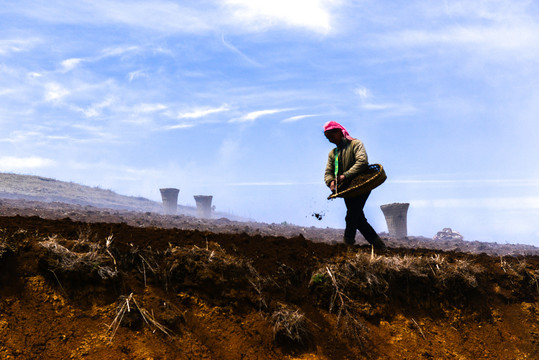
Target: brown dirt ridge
77, 282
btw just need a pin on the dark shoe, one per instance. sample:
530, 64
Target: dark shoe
378, 244
349, 241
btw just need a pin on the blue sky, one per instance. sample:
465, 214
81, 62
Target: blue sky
228, 98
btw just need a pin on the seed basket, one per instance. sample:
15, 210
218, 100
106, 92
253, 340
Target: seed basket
364, 182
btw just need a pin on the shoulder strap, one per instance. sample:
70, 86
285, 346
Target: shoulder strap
336, 162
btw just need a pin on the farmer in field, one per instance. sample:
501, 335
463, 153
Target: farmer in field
351, 161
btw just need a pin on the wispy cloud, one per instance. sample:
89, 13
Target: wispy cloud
298, 118
252, 116
171, 17
118, 50
70, 64
149, 108
505, 38
8, 46
492, 30
156, 15
21, 137
202, 112
314, 15
95, 110
368, 102
12, 163
390, 109
135, 75
54, 92
241, 54
179, 126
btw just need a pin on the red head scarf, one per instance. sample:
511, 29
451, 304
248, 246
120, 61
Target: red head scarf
330, 125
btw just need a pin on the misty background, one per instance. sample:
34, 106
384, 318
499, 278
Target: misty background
228, 98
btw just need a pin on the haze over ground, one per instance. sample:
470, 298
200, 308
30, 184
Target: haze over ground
228, 98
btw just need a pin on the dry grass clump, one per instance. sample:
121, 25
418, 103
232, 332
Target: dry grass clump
126, 305
289, 324
3, 248
521, 272
363, 284
93, 258
369, 274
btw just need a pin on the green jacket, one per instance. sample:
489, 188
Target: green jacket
352, 160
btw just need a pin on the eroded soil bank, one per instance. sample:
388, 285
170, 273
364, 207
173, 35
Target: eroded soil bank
109, 290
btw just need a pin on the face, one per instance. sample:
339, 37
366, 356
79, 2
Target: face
334, 137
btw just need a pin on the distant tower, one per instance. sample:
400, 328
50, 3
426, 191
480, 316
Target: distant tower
203, 206
170, 200
395, 215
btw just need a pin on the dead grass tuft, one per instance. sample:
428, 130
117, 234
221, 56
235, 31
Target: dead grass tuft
95, 258
521, 272
3, 249
289, 324
126, 305
365, 273
363, 283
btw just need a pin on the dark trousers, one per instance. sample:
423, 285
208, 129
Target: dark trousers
355, 219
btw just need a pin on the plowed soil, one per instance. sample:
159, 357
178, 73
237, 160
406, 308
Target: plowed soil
108, 290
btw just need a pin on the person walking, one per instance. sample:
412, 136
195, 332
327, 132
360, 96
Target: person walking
345, 162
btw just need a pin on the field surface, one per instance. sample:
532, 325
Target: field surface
83, 281
108, 290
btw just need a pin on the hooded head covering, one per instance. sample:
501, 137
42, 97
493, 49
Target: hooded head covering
330, 125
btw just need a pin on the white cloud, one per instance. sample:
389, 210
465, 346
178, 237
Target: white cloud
34, 75
70, 64
157, 15
497, 10
180, 126
135, 75
363, 93
8, 46
12, 163
313, 15
202, 112
96, 109
22, 137
117, 51
95, 131
6, 91
297, 118
241, 54
55, 92
252, 116
172, 17
390, 109
507, 38
493, 30
149, 108
369, 102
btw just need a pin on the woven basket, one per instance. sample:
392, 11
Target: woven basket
365, 182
